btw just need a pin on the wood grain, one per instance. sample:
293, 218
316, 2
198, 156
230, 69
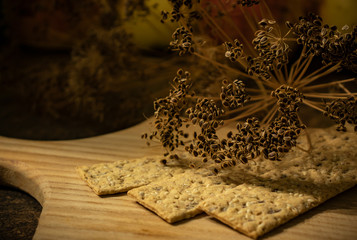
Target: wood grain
46, 170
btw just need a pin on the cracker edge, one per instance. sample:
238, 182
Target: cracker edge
162, 215
82, 174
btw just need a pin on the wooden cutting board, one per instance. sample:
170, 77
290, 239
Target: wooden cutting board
46, 170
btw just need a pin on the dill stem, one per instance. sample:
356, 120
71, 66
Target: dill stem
344, 89
267, 119
253, 13
308, 80
261, 86
318, 71
241, 109
295, 65
310, 104
292, 70
243, 64
274, 78
203, 11
270, 15
253, 110
234, 25
256, 98
212, 26
217, 64
316, 103
307, 65
273, 85
262, 91
287, 33
327, 84
267, 9
329, 95
288, 39
208, 97
286, 74
300, 65
254, 90
279, 75
249, 21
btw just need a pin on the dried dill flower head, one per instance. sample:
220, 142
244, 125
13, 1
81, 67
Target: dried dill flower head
264, 84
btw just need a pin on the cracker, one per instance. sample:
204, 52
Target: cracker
282, 191
179, 197
121, 176
255, 210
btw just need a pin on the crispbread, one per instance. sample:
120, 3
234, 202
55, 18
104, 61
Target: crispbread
121, 176
179, 197
276, 192
255, 210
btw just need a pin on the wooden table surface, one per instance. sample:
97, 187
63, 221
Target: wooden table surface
46, 170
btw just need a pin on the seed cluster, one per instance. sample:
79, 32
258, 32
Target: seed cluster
282, 134
168, 120
206, 114
342, 48
311, 33
204, 145
343, 111
233, 50
289, 99
243, 145
271, 48
233, 95
326, 41
182, 41
280, 137
269, 44
181, 9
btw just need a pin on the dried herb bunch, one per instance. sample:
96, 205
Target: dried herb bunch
265, 81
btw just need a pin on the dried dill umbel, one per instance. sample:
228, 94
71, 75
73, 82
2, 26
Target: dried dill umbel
263, 84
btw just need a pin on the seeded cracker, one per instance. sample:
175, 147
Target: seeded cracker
121, 176
179, 197
283, 190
